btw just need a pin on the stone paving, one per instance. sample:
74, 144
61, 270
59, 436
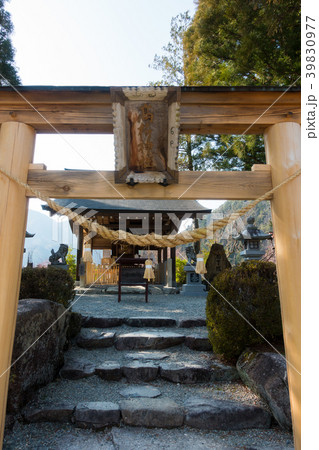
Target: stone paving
122, 368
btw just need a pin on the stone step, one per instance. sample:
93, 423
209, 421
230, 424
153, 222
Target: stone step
143, 411
91, 338
110, 322
110, 371
146, 370
186, 373
60, 412
101, 322
191, 323
148, 340
75, 369
152, 413
140, 371
94, 338
147, 356
211, 414
198, 342
144, 322
96, 415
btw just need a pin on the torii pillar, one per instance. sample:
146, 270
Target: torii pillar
283, 153
16, 152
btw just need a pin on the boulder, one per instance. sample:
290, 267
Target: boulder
97, 415
41, 335
266, 374
211, 414
151, 412
216, 262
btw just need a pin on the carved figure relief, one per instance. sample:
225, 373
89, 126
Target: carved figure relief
146, 125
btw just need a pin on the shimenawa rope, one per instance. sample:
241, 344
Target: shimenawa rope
152, 238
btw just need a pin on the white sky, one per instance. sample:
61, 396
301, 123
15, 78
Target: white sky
95, 43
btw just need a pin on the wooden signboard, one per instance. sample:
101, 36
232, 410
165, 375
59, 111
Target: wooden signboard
146, 130
131, 273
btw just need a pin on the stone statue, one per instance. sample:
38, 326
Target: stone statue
191, 255
60, 254
216, 262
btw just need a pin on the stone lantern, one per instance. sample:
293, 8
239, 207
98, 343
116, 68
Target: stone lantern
251, 238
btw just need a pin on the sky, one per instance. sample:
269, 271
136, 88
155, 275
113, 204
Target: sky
96, 43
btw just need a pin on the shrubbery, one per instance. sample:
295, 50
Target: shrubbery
180, 272
49, 283
252, 289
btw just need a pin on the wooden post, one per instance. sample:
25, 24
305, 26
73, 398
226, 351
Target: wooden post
16, 152
282, 142
165, 265
173, 256
159, 255
79, 252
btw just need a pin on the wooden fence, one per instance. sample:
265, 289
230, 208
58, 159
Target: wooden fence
101, 273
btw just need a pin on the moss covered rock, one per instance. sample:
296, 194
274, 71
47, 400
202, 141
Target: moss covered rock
252, 290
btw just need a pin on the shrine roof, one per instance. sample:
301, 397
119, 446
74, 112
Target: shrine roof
133, 205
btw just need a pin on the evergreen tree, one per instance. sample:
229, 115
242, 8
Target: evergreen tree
7, 66
235, 42
203, 152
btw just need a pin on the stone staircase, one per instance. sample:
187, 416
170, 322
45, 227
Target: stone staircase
145, 372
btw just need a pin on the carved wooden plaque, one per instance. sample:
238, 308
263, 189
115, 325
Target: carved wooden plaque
146, 130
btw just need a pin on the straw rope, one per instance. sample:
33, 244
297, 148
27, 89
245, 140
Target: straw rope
152, 238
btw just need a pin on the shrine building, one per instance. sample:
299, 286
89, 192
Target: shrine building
162, 217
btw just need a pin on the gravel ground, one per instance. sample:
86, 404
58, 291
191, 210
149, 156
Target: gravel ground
94, 389
64, 436
57, 436
174, 306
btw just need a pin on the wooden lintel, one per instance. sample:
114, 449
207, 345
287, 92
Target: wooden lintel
191, 186
89, 110
37, 166
265, 167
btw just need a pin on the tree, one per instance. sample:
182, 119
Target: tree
71, 262
7, 66
208, 152
255, 42
220, 152
172, 62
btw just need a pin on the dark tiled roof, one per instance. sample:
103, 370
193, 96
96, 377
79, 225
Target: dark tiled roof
133, 205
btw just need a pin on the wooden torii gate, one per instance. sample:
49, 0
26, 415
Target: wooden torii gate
273, 112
